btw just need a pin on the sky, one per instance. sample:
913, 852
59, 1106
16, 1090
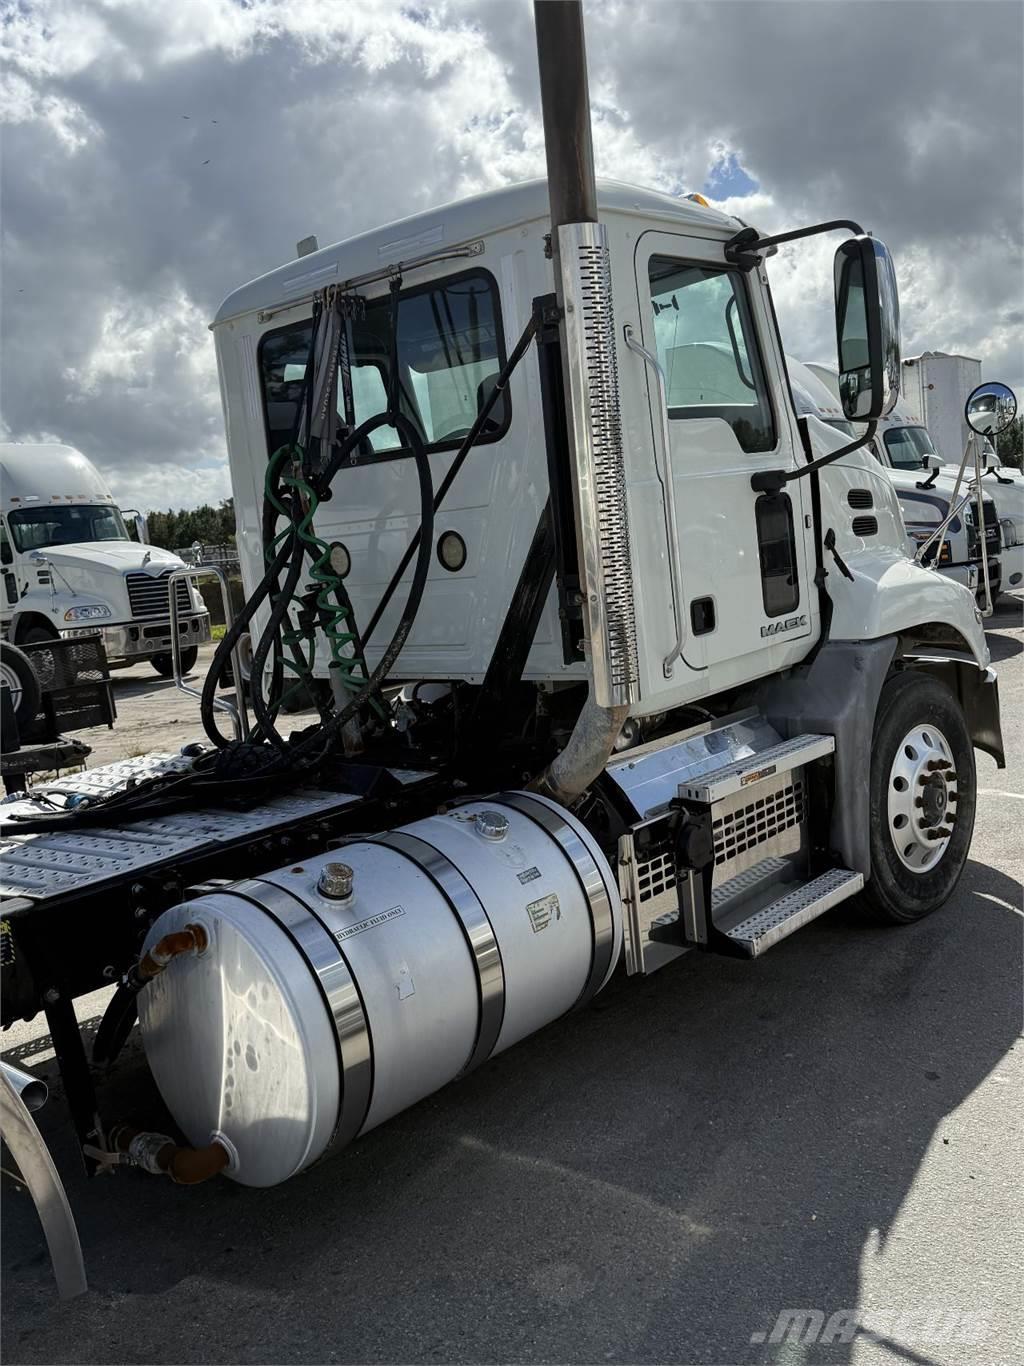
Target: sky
156, 155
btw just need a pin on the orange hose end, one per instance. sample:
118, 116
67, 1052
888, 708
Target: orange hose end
190, 1166
191, 938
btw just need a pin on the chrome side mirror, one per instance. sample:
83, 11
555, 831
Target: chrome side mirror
867, 329
931, 462
990, 409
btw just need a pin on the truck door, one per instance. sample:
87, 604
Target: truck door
745, 560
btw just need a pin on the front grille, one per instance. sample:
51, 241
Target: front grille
743, 829
149, 596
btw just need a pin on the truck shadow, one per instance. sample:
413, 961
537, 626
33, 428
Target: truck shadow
653, 1179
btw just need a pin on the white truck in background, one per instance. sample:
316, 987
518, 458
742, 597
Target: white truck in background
924, 485
935, 388
71, 569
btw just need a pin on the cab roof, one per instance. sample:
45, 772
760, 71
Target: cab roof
450, 226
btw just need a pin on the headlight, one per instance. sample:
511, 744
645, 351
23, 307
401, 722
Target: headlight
1013, 534
92, 612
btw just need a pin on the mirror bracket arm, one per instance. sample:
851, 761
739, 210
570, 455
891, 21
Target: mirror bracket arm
739, 250
773, 481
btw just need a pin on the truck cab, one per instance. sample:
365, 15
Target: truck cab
71, 569
924, 485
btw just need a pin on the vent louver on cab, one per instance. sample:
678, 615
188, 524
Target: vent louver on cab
865, 526
860, 498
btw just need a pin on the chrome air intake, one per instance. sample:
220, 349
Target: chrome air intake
322, 999
602, 516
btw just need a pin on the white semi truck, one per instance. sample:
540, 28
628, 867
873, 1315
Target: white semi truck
71, 569
936, 386
620, 667
925, 486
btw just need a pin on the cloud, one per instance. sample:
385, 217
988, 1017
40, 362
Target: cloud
156, 156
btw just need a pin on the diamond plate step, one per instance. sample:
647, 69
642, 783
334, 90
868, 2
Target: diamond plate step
744, 773
791, 912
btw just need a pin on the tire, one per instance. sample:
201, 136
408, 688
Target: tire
922, 778
17, 674
164, 663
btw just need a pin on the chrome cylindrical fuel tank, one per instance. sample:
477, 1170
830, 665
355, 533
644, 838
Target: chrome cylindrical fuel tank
328, 996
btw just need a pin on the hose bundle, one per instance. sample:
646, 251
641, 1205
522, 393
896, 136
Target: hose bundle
298, 480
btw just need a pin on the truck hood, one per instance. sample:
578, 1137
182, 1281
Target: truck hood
94, 572
120, 556
1008, 498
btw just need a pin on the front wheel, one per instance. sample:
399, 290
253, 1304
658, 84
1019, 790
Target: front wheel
922, 798
164, 664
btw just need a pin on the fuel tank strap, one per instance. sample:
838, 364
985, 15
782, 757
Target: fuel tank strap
469, 910
589, 877
320, 949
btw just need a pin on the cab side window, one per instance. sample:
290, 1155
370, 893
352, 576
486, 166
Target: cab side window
450, 349
708, 348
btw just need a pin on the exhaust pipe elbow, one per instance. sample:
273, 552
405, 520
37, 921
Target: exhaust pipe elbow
584, 757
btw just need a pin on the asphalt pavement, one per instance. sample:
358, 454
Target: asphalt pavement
833, 1129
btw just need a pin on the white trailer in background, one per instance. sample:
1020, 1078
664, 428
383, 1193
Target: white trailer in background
935, 387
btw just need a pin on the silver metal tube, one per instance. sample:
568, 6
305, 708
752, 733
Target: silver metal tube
668, 499
29, 1151
954, 509
32, 1090
237, 711
989, 607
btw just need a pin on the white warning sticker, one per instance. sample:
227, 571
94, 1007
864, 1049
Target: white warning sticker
542, 912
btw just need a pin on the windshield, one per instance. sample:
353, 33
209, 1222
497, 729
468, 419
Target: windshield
39, 527
907, 447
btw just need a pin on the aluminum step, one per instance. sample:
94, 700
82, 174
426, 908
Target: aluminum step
736, 777
760, 931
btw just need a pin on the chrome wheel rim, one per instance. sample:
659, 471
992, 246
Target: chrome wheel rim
922, 798
9, 679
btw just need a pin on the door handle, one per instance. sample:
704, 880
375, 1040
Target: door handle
663, 464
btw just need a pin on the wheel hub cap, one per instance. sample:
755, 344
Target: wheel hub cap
922, 798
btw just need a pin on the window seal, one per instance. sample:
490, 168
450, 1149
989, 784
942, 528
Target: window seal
449, 445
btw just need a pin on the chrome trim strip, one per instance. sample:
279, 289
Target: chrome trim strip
599, 467
469, 910
318, 946
589, 876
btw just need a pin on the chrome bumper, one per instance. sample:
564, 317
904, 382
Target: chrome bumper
139, 640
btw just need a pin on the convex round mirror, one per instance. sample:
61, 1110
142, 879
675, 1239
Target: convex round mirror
990, 409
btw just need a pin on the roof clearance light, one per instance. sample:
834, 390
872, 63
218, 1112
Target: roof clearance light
699, 199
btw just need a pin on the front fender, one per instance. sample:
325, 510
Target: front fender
890, 595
